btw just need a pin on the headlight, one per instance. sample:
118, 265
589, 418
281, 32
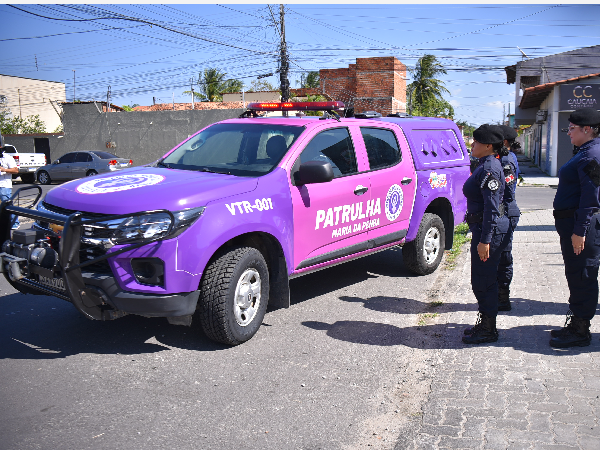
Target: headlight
139, 227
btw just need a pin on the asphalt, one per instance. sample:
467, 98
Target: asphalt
517, 393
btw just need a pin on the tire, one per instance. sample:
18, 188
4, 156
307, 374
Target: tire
28, 178
91, 173
424, 254
44, 178
234, 293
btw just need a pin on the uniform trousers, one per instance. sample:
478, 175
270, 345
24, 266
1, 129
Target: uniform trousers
484, 275
581, 270
505, 267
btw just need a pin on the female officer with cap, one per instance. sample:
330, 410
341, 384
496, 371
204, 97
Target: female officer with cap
484, 190
511, 175
577, 221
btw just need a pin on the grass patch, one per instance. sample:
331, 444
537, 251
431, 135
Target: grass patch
423, 318
460, 237
436, 303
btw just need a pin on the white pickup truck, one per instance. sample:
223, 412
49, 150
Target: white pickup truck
28, 163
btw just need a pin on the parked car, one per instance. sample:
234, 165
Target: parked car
27, 163
223, 221
81, 164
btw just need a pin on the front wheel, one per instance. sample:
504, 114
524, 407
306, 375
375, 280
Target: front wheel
424, 254
234, 293
44, 178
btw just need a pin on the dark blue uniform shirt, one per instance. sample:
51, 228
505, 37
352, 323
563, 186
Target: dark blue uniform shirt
511, 177
579, 185
484, 191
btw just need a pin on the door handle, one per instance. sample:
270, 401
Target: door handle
360, 190
406, 181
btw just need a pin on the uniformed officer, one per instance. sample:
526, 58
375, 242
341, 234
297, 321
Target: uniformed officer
484, 191
510, 167
577, 221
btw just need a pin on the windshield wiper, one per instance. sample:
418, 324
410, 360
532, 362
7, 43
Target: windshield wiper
163, 164
206, 169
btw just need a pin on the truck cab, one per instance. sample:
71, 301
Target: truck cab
222, 222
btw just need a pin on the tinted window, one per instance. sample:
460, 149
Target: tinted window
244, 149
382, 147
104, 155
335, 147
68, 158
83, 157
9, 149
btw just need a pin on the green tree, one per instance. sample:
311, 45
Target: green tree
17, 125
467, 127
261, 86
129, 108
312, 98
310, 80
212, 84
425, 93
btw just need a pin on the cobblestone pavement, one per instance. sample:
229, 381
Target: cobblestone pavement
517, 393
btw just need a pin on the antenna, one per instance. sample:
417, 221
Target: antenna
523, 53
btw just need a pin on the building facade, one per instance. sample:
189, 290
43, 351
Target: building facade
547, 90
29, 97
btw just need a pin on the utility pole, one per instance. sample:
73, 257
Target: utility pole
73, 85
283, 63
192, 87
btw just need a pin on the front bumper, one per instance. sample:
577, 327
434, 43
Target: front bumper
96, 295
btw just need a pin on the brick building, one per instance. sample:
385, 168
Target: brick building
372, 84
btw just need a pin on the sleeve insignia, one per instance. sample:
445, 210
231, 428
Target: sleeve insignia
493, 184
592, 170
509, 174
487, 175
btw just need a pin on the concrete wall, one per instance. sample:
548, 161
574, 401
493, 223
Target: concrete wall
142, 136
28, 97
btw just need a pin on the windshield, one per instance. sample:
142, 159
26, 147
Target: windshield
249, 149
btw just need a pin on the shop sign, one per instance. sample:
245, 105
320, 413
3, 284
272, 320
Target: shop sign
576, 96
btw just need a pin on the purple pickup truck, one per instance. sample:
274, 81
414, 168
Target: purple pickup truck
223, 221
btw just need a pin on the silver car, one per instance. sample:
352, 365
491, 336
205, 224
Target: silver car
80, 164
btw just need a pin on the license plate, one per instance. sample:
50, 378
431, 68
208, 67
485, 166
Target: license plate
55, 283
32, 169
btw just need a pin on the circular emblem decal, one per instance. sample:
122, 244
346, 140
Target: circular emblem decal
394, 201
118, 183
493, 184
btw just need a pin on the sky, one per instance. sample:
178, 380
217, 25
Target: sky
145, 51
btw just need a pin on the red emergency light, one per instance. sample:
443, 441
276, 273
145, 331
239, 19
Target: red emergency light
295, 106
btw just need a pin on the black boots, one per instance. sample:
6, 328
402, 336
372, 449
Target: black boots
483, 331
575, 333
504, 299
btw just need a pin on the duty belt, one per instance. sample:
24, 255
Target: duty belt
569, 213
478, 216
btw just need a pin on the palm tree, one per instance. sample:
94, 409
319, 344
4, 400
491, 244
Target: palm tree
213, 83
426, 88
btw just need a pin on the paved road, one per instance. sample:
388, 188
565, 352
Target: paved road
531, 198
341, 369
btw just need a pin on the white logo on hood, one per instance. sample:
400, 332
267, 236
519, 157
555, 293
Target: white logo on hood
118, 183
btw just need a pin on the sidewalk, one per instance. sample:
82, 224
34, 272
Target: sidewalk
517, 393
532, 175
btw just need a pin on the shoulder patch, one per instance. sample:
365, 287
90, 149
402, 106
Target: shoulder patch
493, 184
485, 178
509, 174
592, 170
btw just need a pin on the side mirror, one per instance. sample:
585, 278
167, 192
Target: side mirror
56, 162
315, 172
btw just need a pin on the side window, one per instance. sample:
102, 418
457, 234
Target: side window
82, 157
335, 147
68, 158
382, 147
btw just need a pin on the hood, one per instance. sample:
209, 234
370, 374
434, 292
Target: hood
145, 189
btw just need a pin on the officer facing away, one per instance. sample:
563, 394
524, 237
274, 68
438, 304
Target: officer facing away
577, 221
8, 166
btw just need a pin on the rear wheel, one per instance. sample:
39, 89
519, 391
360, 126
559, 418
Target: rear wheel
28, 178
234, 293
44, 178
91, 173
424, 254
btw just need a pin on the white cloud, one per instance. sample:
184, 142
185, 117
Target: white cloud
454, 103
497, 104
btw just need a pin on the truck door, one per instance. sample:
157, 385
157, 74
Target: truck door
326, 214
393, 182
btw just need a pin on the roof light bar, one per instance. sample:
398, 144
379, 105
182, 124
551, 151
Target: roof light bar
295, 106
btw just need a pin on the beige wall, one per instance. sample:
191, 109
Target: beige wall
28, 97
269, 96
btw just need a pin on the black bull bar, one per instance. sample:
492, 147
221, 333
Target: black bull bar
87, 300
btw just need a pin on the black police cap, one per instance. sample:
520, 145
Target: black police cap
585, 117
488, 134
509, 132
